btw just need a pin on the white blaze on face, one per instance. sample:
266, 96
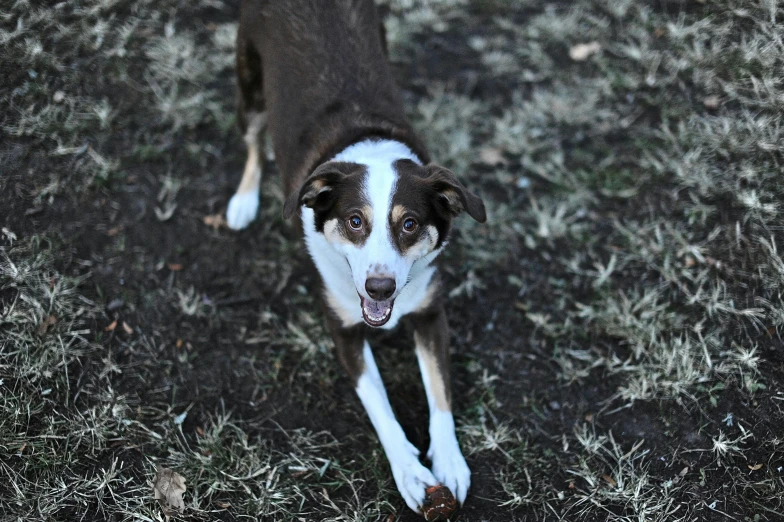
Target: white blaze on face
377, 257
345, 266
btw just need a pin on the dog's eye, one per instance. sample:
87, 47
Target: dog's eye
409, 225
355, 222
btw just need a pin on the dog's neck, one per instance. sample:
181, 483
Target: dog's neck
341, 293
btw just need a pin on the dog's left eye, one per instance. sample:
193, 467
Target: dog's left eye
409, 225
355, 222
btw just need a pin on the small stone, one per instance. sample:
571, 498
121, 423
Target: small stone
555, 405
115, 304
712, 102
58, 97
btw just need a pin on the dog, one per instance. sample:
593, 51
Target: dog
375, 212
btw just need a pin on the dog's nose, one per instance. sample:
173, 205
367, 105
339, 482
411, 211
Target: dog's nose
380, 288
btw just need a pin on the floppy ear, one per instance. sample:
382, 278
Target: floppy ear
316, 189
454, 195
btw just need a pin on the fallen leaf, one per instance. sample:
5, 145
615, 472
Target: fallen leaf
712, 102
755, 467
684, 471
689, 262
492, 156
215, 221
114, 230
127, 328
111, 327
200, 431
609, 480
47, 323
175, 267
168, 487
223, 505
178, 344
581, 52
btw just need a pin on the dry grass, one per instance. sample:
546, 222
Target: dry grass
623, 358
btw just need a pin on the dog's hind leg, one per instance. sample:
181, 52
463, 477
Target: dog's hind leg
244, 205
411, 477
431, 336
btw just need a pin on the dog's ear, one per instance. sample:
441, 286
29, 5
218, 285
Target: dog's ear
317, 190
453, 194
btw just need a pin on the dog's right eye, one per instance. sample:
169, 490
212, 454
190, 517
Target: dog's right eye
355, 222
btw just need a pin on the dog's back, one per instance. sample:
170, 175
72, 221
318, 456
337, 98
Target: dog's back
326, 79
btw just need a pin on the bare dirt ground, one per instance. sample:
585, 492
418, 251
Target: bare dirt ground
617, 323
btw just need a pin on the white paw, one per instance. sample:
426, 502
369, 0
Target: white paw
242, 210
450, 468
411, 477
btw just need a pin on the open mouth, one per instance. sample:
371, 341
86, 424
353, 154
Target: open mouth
376, 313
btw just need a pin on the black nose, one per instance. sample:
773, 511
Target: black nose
380, 288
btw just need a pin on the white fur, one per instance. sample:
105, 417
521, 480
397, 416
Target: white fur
244, 204
242, 210
411, 477
449, 465
344, 267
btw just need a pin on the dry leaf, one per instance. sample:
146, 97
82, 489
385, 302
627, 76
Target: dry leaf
711, 102
111, 327
492, 156
178, 344
168, 487
127, 328
684, 471
215, 221
755, 467
581, 52
175, 267
47, 323
608, 479
114, 230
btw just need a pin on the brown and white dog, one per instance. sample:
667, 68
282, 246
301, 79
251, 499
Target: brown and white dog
374, 210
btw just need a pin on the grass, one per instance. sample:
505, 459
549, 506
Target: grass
617, 322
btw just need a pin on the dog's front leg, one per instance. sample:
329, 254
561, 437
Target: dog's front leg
411, 477
431, 335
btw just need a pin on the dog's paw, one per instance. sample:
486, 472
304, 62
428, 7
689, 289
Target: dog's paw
450, 468
411, 477
242, 210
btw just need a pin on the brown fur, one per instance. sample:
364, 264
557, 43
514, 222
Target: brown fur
319, 69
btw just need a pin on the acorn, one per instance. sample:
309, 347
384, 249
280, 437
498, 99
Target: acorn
439, 504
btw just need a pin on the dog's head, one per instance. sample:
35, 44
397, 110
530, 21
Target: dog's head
383, 218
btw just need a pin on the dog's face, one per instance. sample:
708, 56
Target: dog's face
382, 218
